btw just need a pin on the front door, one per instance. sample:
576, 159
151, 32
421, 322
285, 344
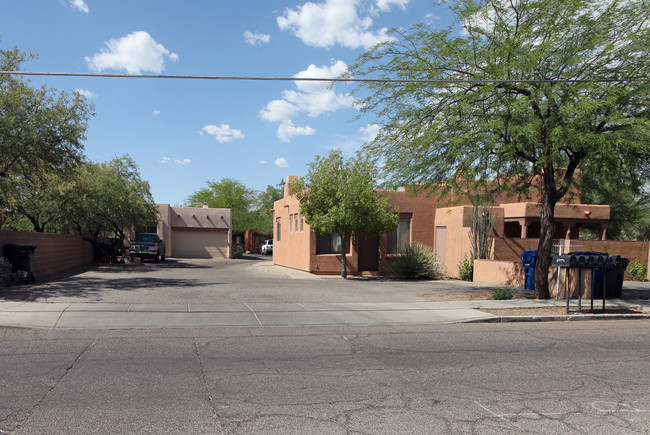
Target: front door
368, 253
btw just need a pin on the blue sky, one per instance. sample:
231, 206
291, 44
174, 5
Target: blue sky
183, 133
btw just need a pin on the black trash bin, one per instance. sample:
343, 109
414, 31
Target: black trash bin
21, 258
529, 258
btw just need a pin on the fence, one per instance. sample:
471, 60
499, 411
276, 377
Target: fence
54, 252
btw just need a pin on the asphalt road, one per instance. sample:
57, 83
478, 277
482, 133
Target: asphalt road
547, 378
252, 280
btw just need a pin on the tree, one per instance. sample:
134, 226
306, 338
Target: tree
41, 132
338, 196
106, 198
227, 193
264, 203
527, 93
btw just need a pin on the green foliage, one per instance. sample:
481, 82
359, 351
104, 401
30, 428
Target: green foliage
502, 293
638, 271
466, 269
41, 132
250, 209
237, 251
482, 232
534, 92
339, 196
416, 261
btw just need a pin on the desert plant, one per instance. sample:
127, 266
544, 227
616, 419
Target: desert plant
482, 232
237, 251
502, 293
416, 261
638, 271
466, 268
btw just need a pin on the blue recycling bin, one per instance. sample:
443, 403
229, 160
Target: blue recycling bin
529, 258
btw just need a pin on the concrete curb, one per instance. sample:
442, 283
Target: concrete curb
558, 318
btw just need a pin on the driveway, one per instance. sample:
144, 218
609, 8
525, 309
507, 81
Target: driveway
249, 280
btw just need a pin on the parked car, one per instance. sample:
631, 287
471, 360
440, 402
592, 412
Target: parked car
148, 246
267, 247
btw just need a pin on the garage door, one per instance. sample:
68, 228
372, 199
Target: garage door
199, 244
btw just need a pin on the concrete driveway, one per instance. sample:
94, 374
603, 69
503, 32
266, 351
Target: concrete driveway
249, 280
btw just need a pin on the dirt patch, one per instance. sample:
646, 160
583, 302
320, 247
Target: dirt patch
560, 311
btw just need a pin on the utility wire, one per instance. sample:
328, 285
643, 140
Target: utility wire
316, 79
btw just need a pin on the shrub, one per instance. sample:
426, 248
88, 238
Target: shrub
416, 261
502, 293
237, 251
466, 269
638, 271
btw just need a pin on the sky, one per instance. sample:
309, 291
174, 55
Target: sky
184, 133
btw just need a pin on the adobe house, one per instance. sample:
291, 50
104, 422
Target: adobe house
195, 232
424, 219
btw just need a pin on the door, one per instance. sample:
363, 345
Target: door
368, 252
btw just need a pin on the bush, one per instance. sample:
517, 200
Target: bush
237, 251
416, 261
501, 293
466, 269
638, 271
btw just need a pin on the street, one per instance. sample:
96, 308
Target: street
555, 377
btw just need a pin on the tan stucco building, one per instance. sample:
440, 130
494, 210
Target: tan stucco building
195, 232
424, 219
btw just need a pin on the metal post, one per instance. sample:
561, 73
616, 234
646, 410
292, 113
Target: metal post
579, 289
557, 287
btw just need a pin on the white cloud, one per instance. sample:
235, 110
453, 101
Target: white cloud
386, 5
85, 93
155, 112
369, 132
287, 130
281, 162
224, 133
334, 22
79, 5
263, 162
311, 98
256, 38
176, 161
136, 53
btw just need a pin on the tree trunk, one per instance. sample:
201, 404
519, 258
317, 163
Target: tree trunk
545, 246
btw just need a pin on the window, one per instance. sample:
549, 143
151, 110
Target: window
278, 229
400, 237
296, 225
328, 244
290, 223
302, 223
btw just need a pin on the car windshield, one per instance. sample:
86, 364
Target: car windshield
151, 238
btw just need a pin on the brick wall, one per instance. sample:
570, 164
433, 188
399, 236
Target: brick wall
54, 252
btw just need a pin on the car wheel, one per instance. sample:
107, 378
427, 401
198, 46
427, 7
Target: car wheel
156, 259
162, 257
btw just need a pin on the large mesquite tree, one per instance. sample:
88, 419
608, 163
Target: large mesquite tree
527, 92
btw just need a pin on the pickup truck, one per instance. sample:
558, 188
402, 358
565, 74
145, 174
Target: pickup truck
267, 247
148, 246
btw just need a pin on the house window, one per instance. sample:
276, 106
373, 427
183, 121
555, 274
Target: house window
290, 223
302, 223
400, 237
278, 229
296, 225
328, 244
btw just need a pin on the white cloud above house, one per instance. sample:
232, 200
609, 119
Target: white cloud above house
312, 98
79, 5
155, 112
369, 132
224, 133
176, 161
281, 162
286, 131
256, 38
336, 22
136, 53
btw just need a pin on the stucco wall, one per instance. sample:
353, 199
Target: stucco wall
54, 252
499, 273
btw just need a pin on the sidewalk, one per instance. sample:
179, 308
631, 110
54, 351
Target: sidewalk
172, 316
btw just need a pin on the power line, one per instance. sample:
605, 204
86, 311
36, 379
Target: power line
317, 79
